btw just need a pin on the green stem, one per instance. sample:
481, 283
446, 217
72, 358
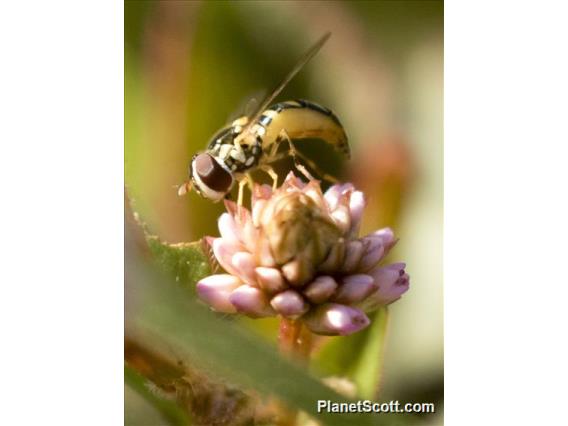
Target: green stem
295, 341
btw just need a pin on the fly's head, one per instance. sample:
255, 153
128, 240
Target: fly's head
209, 176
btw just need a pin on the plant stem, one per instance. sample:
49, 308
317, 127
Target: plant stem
295, 341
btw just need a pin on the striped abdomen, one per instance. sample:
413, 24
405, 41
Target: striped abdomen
302, 119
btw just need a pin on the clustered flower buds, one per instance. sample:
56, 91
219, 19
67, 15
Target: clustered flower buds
297, 254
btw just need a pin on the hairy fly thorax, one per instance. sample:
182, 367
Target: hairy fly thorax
238, 154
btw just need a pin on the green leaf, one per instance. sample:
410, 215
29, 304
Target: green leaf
366, 370
186, 263
173, 414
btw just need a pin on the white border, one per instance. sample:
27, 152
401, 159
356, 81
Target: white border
61, 174
506, 214
61, 177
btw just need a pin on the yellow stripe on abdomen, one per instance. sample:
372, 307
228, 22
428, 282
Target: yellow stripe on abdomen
302, 120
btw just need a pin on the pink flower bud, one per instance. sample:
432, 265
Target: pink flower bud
216, 289
355, 288
228, 229
334, 319
356, 208
353, 254
374, 253
244, 263
257, 209
392, 282
289, 304
332, 196
334, 193
270, 279
334, 259
224, 252
342, 218
297, 255
321, 289
313, 191
251, 301
264, 253
298, 272
387, 237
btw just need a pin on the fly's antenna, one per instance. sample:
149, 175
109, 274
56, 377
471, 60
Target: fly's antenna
184, 188
310, 53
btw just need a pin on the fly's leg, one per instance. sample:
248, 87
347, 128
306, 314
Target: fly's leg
250, 182
273, 156
270, 171
274, 148
245, 180
317, 169
295, 154
242, 184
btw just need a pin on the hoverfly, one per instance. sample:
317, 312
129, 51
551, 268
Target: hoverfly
252, 142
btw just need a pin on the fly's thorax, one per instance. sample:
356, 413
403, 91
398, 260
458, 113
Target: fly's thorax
237, 151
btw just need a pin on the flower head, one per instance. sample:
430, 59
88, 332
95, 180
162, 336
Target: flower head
297, 254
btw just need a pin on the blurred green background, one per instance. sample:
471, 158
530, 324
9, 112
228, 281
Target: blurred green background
192, 66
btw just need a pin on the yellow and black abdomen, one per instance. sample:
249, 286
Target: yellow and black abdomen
301, 119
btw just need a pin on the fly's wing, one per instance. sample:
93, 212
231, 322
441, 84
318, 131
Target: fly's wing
310, 53
248, 106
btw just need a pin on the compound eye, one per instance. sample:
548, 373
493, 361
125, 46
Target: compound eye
212, 174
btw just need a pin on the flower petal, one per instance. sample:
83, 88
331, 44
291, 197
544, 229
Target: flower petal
270, 279
216, 289
292, 182
240, 215
261, 192
387, 237
332, 196
313, 190
251, 301
231, 207
334, 259
392, 281
334, 193
342, 218
298, 272
257, 208
263, 252
321, 289
244, 264
289, 304
355, 288
333, 319
374, 252
228, 229
249, 235
356, 208
353, 254
224, 252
